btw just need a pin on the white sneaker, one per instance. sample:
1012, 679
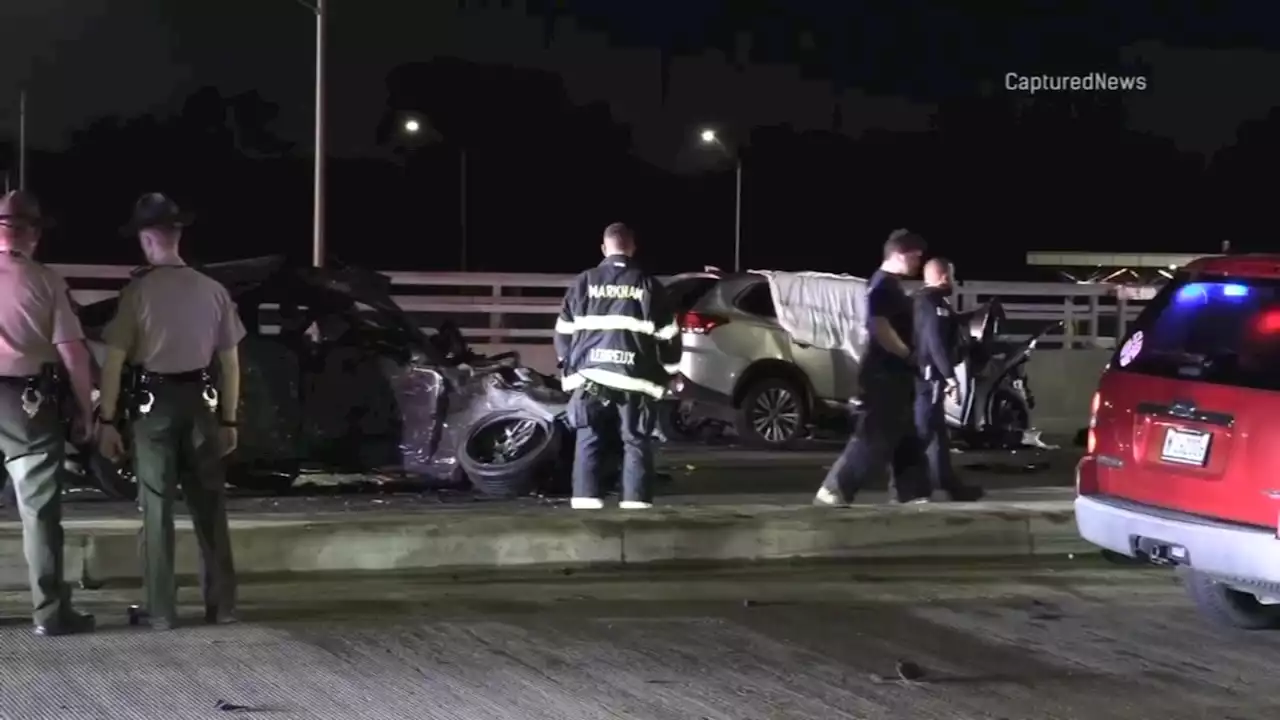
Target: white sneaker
913, 501
829, 499
634, 505
586, 504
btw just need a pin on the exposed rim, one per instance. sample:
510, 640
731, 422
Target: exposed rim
506, 441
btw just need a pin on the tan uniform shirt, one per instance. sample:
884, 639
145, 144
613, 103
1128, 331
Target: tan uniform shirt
36, 314
173, 319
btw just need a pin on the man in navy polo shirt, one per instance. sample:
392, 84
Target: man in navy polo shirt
887, 377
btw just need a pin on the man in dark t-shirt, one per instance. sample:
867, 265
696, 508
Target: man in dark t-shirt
887, 299
887, 377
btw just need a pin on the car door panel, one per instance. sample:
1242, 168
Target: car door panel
957, 405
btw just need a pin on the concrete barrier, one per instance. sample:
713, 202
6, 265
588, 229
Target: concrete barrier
107, 550
1063, 382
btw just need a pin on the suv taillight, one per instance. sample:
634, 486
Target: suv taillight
700, 324
1091, 441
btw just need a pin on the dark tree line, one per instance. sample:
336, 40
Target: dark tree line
994, 176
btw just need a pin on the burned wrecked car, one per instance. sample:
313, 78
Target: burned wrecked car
337, 378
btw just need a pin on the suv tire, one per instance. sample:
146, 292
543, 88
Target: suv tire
1222, 605
773, 414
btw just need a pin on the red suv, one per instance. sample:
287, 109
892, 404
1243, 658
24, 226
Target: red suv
1183, 450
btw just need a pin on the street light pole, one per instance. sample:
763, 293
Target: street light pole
317, 217
709, 136
413, 126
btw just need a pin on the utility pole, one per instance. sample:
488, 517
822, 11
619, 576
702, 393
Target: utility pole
317, 217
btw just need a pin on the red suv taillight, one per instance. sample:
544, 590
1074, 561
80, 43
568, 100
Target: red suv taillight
1091, 440
700, 324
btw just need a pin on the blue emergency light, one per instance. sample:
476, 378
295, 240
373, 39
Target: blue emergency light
1201, 292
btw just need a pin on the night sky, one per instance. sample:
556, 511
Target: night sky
740, 65
1211, 68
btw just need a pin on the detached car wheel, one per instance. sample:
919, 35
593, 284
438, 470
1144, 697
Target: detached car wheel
773, 414
1228, 607
505, 453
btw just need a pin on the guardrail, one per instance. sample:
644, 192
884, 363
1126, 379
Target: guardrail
519, 308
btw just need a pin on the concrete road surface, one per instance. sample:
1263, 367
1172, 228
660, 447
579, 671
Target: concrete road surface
1076, 640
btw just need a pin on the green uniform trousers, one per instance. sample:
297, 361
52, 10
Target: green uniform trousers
176, 444
34, 450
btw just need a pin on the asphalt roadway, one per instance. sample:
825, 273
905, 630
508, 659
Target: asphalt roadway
698, 474
1072, 639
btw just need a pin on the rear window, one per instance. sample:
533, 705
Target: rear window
757, 300
686, 293
1225, 331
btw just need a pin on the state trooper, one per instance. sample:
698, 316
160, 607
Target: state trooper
39, 331
618, 345
938, 340
886, 379
172, 320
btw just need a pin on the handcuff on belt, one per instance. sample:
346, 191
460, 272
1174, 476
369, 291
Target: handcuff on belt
38, 389
144, 399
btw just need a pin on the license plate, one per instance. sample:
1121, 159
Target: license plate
1186, 447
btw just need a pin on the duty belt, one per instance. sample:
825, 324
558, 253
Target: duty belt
604, 393
36, 389
143, 380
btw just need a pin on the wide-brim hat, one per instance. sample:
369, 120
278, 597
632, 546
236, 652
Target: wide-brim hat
156, 210
21, 208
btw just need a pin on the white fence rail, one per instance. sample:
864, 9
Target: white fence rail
519, 308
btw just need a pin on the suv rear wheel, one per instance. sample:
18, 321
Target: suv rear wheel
1226, 606
773, 413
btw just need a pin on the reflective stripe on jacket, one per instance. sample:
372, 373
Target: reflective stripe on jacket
617, 328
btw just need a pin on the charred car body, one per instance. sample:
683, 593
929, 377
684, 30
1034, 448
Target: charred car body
372, 393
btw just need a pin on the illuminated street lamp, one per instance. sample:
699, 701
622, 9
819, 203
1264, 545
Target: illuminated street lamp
709, 136
424, 133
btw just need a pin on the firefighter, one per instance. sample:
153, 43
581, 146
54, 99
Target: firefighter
171, 322
938, 341
886, 378
618, 345
39, 331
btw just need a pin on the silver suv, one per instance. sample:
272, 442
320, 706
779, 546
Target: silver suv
741, 367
